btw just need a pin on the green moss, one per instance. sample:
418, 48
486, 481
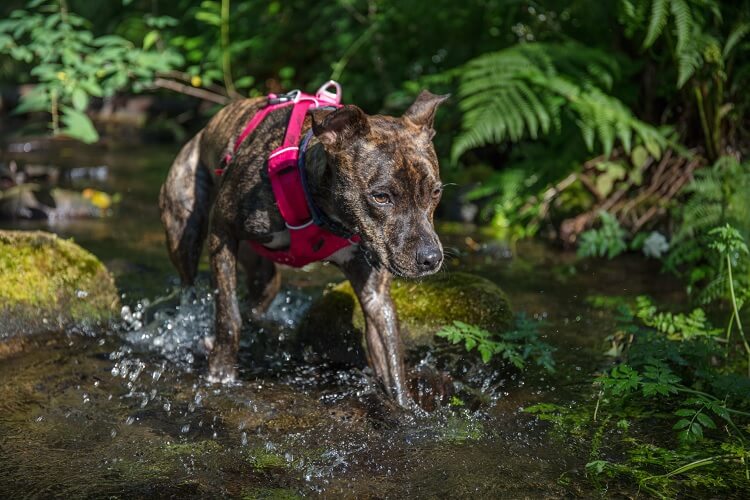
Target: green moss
262, 459
334, 323
460, 429
45, 277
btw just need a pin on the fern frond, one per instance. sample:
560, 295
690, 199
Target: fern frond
683, 21
657, 22
522, 91
735, 37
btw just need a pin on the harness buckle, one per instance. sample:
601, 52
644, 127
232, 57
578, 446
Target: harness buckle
330, 97
292, 95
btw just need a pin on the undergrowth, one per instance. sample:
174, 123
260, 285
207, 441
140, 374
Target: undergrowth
671, 414
517, 346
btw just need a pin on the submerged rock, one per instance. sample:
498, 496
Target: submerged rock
47, 282
334, 323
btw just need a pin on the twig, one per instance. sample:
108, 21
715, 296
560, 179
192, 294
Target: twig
206, 95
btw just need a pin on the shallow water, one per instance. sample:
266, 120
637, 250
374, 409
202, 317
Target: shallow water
125, 411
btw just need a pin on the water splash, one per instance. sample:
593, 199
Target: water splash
176, 332
288, 308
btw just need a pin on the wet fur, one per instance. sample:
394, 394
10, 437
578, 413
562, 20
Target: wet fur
351, 158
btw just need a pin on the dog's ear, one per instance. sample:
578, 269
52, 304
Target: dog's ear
422, 111
335, 127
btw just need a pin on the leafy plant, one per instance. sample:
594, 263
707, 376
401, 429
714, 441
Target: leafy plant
608, 240
718, 195
525, 89
516, 346
729, 245
704, 55
670, 369
71, 65
669, 378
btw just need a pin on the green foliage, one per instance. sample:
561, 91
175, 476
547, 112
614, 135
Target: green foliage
686, 20
523, 91
516, 346
718, 195
608, 240
667, 374
673, 409
71, 65
677, 326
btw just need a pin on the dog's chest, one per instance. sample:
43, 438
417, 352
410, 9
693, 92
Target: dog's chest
281, 240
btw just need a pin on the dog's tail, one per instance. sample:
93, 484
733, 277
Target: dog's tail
185, 202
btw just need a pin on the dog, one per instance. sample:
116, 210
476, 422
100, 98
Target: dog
375, 176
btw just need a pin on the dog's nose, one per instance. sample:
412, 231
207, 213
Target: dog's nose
429, 258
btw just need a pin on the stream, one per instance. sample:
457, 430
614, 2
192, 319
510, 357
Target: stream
126, 412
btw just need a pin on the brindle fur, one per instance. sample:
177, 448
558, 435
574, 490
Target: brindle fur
351, 158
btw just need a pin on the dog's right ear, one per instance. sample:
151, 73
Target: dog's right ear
335, 127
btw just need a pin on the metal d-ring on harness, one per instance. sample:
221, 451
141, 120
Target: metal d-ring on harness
313, 235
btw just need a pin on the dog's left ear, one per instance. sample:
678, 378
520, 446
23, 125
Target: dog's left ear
422, 112
335, 127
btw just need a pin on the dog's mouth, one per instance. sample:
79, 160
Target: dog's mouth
376, 261
408, 273
411, 274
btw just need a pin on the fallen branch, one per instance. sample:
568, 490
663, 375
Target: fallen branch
634, 207
204, 94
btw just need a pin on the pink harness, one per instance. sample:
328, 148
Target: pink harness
309, 242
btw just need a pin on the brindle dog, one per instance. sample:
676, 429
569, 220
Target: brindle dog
377, 176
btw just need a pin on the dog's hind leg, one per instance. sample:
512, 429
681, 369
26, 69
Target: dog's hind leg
185, 203
263, 279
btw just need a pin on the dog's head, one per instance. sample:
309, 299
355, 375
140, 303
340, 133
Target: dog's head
385, 181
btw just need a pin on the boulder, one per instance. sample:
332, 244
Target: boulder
47, 283
334, 324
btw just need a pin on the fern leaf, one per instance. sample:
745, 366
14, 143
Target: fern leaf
624, 134
606, 136
522, 91
735, 37
689, 59
683, 21
657, 22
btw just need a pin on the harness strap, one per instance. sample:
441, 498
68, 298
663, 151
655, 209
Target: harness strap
251, 125
313, 237
282, 170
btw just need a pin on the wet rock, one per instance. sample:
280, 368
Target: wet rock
334, 323
47, 282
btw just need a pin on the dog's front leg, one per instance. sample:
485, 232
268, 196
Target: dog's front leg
222, 360
385, 352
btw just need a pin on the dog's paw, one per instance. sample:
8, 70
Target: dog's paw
220, 379
220, 373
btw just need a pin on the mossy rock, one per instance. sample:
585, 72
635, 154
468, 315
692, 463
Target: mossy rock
334, 323
47, 282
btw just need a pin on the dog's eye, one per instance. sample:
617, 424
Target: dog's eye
381, 198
